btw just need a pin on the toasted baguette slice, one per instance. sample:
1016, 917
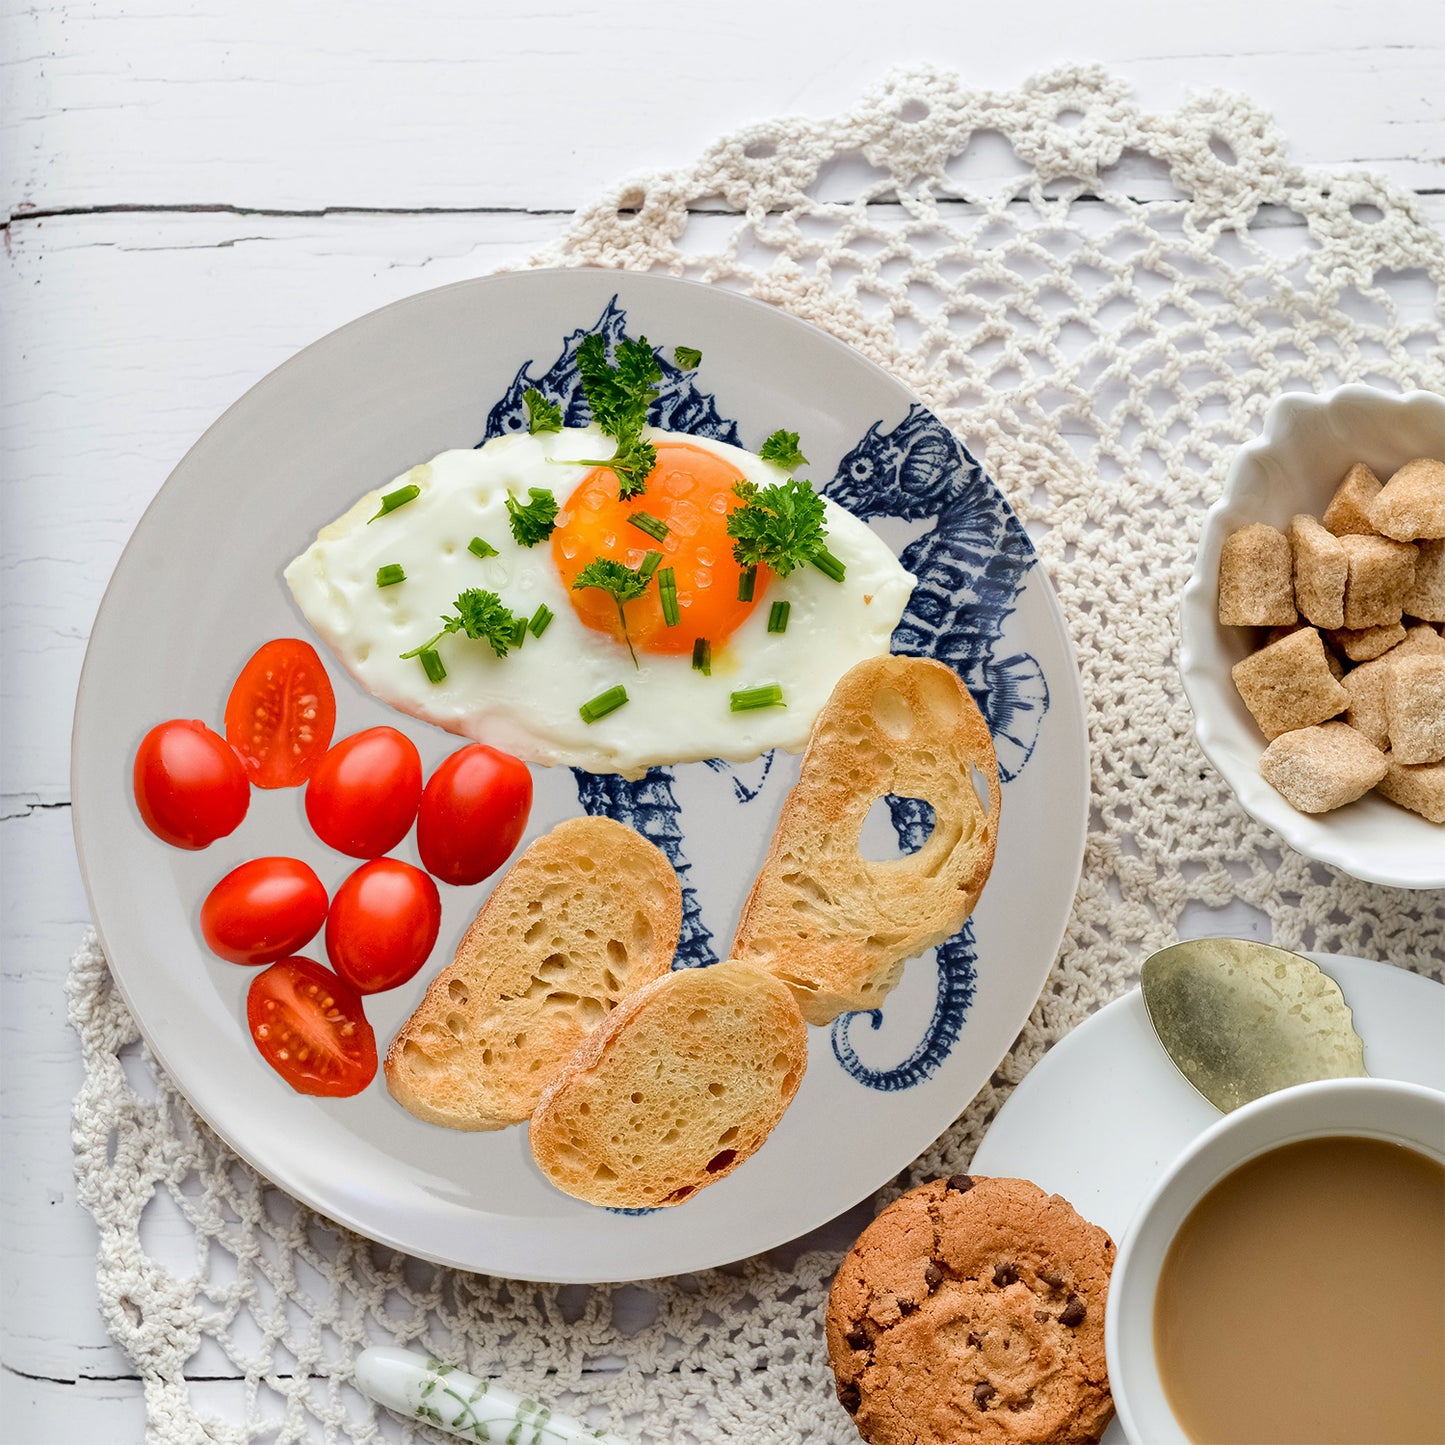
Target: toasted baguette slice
681, 1084
587, 915
832, 925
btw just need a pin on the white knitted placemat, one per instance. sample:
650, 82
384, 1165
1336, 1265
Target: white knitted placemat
1101, 302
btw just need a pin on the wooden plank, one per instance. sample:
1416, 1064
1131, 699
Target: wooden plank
282, 107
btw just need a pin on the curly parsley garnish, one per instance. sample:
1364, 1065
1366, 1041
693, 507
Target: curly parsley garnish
689, 358
779, 526
623, 584
542, 415
782, 450
619, 394
483, 616
534, 521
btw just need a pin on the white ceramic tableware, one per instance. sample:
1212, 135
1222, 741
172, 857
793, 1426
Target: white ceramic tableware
1373, 1108
1294, 465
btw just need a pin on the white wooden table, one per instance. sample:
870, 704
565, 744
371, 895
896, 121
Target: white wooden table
196, 191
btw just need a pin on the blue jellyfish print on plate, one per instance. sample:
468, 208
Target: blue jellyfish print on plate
971, 566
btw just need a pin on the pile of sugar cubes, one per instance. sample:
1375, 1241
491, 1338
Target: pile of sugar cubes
1349, 686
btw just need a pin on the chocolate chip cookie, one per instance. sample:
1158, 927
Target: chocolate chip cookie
972, 1309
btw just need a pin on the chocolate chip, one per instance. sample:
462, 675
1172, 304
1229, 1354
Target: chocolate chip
974, 1341
1005, 1275
857, 1340
906, 1306
1073, 1312
983, 1392
932, 1275
850, 1397
960, 1183
1053, 1280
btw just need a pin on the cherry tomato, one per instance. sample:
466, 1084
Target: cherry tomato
281, 713
473, 814
363, 796
310, 1027
189, 784
382, 925
263, 910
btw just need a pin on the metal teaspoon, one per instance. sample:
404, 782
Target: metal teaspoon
1242, 1019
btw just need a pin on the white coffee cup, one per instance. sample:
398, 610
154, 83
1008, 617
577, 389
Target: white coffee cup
1372, 1108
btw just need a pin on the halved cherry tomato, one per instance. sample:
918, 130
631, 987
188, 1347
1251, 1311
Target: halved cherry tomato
310, 1027
281, 713
473, 814
189, 784
363, 796
382, 924
263, 910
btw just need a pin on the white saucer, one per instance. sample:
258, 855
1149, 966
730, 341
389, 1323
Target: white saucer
1103, 1113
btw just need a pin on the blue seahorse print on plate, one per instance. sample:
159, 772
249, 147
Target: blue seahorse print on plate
971, 566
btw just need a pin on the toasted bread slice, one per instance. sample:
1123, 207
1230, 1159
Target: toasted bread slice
834, 926
684, 1081
587, 915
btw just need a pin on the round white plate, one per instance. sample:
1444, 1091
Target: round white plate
1101, 1116
200, 587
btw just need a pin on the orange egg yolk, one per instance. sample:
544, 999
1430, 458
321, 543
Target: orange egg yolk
691, 492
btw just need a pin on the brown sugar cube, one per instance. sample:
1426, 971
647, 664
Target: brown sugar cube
1420, 638
1256, 578
1415, 704
1367, 642
1426, 597
1367, 712
1321, 768
1320, 570
1412, 502
1381, 573
1421, 789
1275, 633
1348, 511
1289, 684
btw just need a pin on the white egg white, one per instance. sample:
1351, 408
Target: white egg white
527, 702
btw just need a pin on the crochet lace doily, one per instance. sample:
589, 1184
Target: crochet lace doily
1101, 302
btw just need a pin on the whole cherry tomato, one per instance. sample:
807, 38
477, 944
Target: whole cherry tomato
382, 924
473, 814
189, 784
363, 796
281, 713
263, 910
310, 1027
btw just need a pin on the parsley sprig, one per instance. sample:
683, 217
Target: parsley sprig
619, 394
542, 415
782, 449
622, 583
779, 526
533, 521
483, 616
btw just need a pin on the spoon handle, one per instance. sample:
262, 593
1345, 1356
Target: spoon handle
425, 1389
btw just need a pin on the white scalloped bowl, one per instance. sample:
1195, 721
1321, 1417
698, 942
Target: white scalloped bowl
1307, 445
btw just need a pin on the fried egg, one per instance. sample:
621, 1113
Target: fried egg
531, 702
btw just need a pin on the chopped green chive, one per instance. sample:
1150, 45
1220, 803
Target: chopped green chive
828, 564
390, 575
689, 358
432, 664
702, 657
399, 498
478, 547
519, 631
752, 698
541, 620
650, 564
646, 522
603, 703
746, 583
778, 616
667, 595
